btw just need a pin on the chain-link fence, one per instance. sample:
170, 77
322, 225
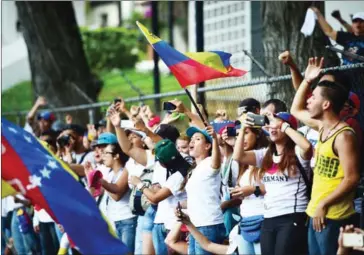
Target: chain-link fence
223, 94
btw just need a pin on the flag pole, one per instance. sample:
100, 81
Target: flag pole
196, 107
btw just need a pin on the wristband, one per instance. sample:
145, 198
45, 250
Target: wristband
257, 191
284, 127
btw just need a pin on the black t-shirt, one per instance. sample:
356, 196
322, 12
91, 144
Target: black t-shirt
351, 43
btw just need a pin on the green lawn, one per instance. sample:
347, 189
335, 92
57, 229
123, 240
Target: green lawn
20, 96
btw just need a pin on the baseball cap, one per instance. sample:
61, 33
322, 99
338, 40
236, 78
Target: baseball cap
165, 151
46, 115
106, 138
358, 15
354, 100
248, 105
167, 131
101, 123
192, 130
287, 117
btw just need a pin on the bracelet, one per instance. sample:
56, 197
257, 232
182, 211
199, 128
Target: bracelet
284, 127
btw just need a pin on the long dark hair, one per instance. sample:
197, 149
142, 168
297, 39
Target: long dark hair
261, 142
288, 158
116, 149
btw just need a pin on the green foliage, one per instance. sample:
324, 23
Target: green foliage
110, 47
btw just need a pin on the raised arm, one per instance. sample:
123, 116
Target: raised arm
195, 120
239, 154
298, 108
287, 60
215, 155
326, 28
336, 14
138, 154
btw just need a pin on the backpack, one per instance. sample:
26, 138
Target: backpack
138, 202
307, 180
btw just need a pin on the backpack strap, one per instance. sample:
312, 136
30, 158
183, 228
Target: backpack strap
83, 156
305, 178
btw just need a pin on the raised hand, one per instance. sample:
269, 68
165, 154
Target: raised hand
68, 119
134, 110
114, 117
286, 58
41, 101
314, 68
230, 140
179, 106
210, 130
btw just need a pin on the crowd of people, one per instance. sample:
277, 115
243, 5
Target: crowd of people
272, 181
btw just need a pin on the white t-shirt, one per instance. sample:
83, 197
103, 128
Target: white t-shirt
203, 195
89, 157
312, 136
234, 168
118, 210
136, 169
284, 194
251, 205
41, 216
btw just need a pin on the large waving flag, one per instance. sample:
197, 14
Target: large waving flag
192, 68
31, 169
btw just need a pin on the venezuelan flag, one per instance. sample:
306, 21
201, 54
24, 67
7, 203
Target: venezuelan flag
192, 68
32, 170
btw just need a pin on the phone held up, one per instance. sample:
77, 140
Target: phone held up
168, 106
353, 240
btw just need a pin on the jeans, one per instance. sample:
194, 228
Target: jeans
245, 247
285, 234
215, 233
325, 242
159, 235
125, 230
139, 236
149, 219
48, 238
24, 243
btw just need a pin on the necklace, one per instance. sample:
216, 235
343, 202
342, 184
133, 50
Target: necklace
331, 129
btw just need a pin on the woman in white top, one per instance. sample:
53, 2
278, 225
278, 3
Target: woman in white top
117, 200
203, 188
288, 154
250, 190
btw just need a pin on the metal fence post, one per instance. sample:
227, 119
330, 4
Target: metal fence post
91, 116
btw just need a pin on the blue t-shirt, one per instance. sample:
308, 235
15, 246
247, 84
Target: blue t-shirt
351, 43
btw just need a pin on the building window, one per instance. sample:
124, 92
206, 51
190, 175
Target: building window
104, 19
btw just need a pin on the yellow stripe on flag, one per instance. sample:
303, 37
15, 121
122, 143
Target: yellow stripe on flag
152, 39
7, 189
209, 59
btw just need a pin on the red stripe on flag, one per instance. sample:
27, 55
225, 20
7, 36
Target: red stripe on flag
190, 72
15, 173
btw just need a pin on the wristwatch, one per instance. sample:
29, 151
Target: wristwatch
284, 126
257, 191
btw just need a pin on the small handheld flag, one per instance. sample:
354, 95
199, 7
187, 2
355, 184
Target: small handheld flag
32, 170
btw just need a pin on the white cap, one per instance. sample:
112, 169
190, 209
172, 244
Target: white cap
358, 15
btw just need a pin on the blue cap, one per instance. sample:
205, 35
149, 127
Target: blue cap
46, 116
107, 138
192, 130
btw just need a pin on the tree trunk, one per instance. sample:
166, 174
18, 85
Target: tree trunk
282, 22
56, 55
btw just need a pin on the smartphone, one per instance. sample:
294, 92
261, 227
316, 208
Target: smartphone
117, 100
168, 106
127, 124
231, 131
353, 240
259, 120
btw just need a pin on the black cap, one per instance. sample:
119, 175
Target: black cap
101, 123
250, 104
167, 132
76, 128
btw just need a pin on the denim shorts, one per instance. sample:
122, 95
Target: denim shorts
149, 216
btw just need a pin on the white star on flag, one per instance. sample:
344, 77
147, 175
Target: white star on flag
35, 182
45, 173
52, 164
29, 139
13, 130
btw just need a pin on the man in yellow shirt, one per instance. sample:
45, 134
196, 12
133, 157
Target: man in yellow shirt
336, 173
